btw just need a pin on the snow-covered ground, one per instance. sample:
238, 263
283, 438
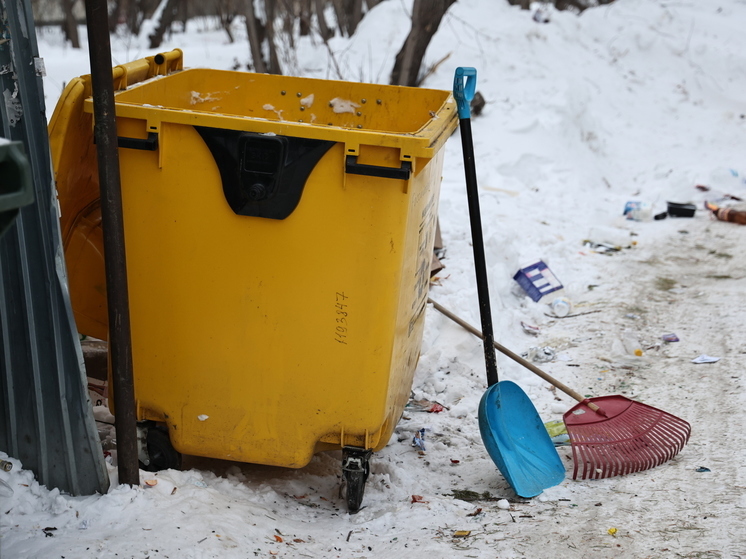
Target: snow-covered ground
637, 100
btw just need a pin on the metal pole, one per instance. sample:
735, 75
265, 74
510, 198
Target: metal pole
120, 343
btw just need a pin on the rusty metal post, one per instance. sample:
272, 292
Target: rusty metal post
120, 341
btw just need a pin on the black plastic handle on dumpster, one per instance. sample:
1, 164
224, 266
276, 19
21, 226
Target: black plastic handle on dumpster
146, 144
355, 168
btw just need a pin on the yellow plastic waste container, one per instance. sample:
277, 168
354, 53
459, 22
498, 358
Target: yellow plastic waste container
279, 234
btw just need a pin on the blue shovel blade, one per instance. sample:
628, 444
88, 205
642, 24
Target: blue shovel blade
517, 440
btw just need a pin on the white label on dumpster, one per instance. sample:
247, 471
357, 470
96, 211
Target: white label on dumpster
203, 417
307, 102
343, 105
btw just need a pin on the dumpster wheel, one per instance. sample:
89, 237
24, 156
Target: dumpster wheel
160, 452
356, 468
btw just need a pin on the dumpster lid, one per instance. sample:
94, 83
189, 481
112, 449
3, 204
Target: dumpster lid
416, 120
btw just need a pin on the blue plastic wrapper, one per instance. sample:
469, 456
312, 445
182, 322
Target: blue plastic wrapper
419, 439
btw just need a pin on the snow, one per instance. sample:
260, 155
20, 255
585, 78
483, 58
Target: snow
634, 101
343, 105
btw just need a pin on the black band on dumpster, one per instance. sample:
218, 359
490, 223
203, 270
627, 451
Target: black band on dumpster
147, 144
263, 175
354, 168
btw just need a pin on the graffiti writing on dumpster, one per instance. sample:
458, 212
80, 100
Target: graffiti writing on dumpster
426, 239
340, 330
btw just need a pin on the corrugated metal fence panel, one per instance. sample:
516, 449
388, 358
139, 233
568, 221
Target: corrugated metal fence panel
46, 419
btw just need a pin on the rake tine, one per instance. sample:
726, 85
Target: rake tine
650, 447
587, 472
667, 440
646, 445
579, 457
646, 453
575, 461
612, 461
626, 455
596, 461
603, 463
679, 433
631, 448
585, 459
626, 450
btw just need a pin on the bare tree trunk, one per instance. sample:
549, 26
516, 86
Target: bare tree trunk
226, 12
274, 62
69, 25
167, 17
255, 39
226, 22
524, 4
138, 11
134, 16
355, 8
426, 17
289, 15
117, 15
349, 13
341, 13
185, 10
305, 17
324, 30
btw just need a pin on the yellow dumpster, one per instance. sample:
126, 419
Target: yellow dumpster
279, 233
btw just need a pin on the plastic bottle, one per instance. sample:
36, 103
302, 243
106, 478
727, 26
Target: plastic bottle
561, 306
631, 343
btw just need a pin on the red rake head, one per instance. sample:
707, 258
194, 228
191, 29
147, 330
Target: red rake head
631, 437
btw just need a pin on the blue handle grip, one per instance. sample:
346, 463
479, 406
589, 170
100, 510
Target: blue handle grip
464, 93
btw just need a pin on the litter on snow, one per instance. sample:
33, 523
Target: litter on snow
425, 406
705, 359
540, 354
419, 439
529, 329
537, 280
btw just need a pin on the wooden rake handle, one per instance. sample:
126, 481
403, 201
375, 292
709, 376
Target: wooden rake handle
515, 357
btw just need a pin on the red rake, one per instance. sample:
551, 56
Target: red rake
609, 435
613, 436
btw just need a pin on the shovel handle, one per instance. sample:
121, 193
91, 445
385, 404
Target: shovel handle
515, 357
464, 92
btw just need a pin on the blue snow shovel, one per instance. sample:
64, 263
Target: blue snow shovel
511, 429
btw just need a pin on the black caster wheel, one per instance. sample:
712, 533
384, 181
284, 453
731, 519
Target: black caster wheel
160, 451
356, 468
